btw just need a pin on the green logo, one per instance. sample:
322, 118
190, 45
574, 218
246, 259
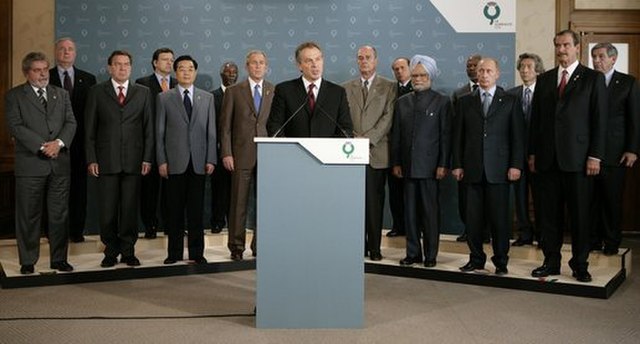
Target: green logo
496, 11
348, 148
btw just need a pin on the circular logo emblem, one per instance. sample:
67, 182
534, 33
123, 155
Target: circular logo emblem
348, 148
489, 8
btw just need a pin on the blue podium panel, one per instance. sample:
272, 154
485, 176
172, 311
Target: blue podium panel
310, 215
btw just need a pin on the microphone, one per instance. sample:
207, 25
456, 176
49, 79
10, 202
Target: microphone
295, 113
344, 132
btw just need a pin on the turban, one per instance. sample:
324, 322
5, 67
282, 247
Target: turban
427, 62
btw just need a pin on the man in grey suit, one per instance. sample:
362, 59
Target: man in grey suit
186, 151
119, 144
40, 120
371, 99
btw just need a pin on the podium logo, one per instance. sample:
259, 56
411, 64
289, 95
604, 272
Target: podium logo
491, 14
348, 148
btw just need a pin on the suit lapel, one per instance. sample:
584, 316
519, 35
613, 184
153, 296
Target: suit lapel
267, 94
108, 89
176, 98
247, 93
33, 98
52, 100
574, 79
496, 102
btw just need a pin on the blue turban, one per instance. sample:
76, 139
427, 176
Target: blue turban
427, 62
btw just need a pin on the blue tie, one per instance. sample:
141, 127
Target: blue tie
486, 102
187, 103
257, 99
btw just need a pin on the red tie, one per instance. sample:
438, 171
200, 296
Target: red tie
121, 95
563, 83
312, 98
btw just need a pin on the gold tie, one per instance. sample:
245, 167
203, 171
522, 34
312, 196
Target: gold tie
164, 84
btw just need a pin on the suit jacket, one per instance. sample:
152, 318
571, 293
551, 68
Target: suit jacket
401, 91
151, 81
421, 134
458, 93
241, 122
623, 118
488, 145
31, 125
180, 139
570, 129
119, 138
82, 82
331, 108
373, 118
517, 92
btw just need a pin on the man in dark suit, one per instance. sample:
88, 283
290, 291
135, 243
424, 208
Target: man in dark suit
186, 151
470, 86
566, 146
309, 106
221, 177
151, 191
119, 147
529, 67
622, 145
488, 154
245, 110
420, 156
402, 74
40, 120
77, 82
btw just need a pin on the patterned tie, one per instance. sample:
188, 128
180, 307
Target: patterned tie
187, 103
121, 96
257, 98
486, 102
474, 87
563, 83
164, 85
41, 98
67, 82
526, 101
365, 90
312, 98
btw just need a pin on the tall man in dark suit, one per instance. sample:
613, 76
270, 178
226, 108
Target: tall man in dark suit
402, 74
40, 120
77, 82
245, 110
119, 147
420, 156
371, 99
221, 177
470, 86
566, 146
152, 191
309, 106
622, 145
488, 154
186, 151
529, 67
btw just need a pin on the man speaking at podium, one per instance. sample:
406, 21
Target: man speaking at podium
309, 106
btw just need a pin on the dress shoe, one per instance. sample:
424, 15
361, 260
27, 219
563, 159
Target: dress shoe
394, 233
522, 242
200, 260
76, 238
544, 271
130, 261
470, 267
582, 275
462, 238
170, 260
486, 240
501, 270
150, 233
108, 262
610, 251
27, 269
61, 266
236, 256
408, 261
376, 256
429, 263
216, 230
596, 247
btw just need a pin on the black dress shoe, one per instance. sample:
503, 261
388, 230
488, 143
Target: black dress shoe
610, 251
470, 267
486, 240
150, 234
130, 261
544, 271
27, 269
407, 261
108, 262
582, 275
521, 242
236, 256
200, 260
596, 247
462, 238
76, 238
394, 233
501, 270
61, 266
429, 263
376, 256
170, 260
216, 230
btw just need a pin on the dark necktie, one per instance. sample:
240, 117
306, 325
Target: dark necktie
67, 82
187, 103
563, 83
121, 96
365, 90
486, 102
526, 101
41, 98
312, 98
257, 98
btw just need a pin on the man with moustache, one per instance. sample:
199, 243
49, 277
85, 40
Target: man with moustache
119, 148
420, 156
245, 110
221, 177
186, 151
566, 148
158, 81
309, 106
488, 154
77, 82
623, 139
41, 122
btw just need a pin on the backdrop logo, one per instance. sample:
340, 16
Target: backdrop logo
491, 11
348, 148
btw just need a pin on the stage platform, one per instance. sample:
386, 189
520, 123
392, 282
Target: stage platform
608, 272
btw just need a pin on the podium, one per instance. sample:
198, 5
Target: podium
310, 219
